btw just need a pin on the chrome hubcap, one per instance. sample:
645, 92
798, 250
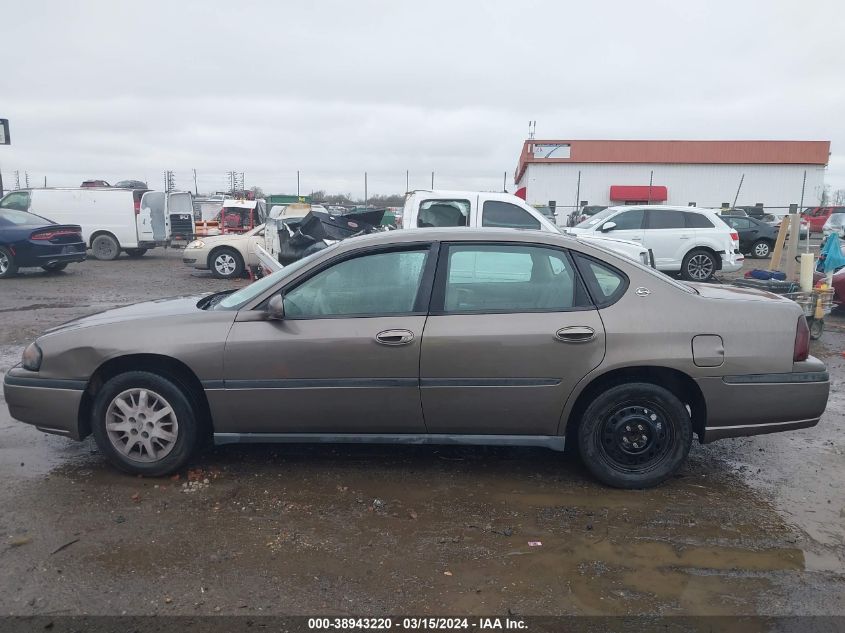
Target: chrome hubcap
761, 250
700, 267
4, 263
141, 425
224, 264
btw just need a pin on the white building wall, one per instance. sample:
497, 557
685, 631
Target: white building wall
706, 185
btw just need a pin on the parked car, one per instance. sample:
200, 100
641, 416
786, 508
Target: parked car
454, 335
835, 223
130, 184
226, 256
112, 220
817, 216
28, 240
94, 183
433, 208
688, 240
756, 238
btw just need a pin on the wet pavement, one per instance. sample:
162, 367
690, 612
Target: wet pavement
752, 525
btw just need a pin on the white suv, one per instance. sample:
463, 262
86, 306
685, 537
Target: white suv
688, 240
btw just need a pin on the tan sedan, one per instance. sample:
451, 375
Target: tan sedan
226, 256
456, 336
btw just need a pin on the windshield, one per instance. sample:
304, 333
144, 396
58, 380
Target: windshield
598, 218
837, 219
250, 292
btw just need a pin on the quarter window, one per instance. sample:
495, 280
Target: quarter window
697, 221
505, 278
374, 284
606, 284
506, 215
443, 213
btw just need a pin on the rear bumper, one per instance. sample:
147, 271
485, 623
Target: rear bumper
755, 404
51, 406
39, 254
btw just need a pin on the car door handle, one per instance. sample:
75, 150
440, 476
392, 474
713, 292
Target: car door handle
575, 334
395, 337
636, 239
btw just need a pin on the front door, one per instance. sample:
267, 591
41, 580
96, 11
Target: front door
345, 359
628, 225
511, 332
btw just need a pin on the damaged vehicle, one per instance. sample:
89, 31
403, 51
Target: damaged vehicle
433, 336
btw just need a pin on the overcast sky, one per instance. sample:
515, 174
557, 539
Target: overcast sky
120, 90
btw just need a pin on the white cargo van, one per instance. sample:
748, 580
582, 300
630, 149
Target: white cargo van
429, 208
112, 220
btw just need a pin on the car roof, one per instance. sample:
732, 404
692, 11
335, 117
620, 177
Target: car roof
661, 207
459, 234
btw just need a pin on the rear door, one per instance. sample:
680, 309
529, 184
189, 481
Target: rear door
150, 217
510, 333
667, 235
179, 218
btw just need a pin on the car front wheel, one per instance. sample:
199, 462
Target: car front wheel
635, 435
698, 265
144, 423
226, 263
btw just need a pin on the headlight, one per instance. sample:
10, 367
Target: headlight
196, 244
32, 357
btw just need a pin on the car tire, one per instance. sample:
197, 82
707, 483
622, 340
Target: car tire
105, 248
635, 435
226, 263
8, 267
698, 265
816, 328
761, 249
136, 252
122, 415
54, 268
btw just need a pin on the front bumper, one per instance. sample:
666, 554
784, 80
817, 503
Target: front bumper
196, 258
51, 406
755, 404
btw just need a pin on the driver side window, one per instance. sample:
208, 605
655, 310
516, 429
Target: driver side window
628, 220
369, 285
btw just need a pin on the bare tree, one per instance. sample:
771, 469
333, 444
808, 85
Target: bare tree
839, 197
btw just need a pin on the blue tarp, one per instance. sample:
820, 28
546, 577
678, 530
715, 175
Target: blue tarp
831, 256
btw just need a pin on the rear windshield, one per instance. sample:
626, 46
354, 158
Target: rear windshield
13, 217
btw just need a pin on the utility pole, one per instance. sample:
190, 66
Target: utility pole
505, 183
297, 183
196, 191
650, 183
2, 193
432, 180
736, 197
407, 181
365, 190
26, 178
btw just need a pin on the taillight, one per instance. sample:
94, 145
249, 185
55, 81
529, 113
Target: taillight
137, 207
802, 341
49, 235
734, 236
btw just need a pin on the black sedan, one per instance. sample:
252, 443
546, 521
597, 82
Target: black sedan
756, 238
27, 239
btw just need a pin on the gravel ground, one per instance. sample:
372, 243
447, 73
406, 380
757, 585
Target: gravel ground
752, 525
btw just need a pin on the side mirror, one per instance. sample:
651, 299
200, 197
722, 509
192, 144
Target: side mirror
608, 226
276, 308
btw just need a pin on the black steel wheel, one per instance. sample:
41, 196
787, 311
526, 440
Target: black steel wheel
635, 435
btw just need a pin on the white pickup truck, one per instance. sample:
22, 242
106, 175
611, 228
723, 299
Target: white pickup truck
427, 208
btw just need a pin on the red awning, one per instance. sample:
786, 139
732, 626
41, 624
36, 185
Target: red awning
636, 193
521, 193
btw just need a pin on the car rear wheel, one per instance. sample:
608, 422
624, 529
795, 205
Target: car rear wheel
144, 424
226, 263
55, 267
698, 265
761, 249
136, 252
8, 267
105, 248
635, 435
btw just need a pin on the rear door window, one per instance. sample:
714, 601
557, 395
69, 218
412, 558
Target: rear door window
443, 213
506, 215
665, 219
